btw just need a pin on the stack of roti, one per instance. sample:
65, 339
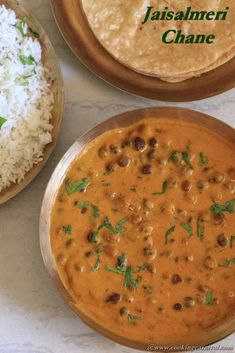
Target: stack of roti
117, 24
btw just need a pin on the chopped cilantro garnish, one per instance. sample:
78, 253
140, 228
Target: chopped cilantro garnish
187, 227
127, 271
164, 188
2, 121
122, 261
107, 224
143, 267
23, 79
208, 299
94, 237
95, 211
80, 185
27, 60
232, 239
23, 83
21, 27
34, 33
132, 318
174, 157
200, 229
217, 208
168, 233
185, 157
68, 229
130, 281
117, 270
228, 263
133, 189
85, 204
203, 161
117, 229
96, 266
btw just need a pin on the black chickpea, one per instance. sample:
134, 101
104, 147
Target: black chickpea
139, 144
147, 169
151, 154
124, 162
218, 219
176, 279
153, 142
178, 307
222, 240
114, 298
70, 242
186, 185
124, 311
189, 302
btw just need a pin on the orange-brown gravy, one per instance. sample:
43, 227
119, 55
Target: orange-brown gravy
143, 231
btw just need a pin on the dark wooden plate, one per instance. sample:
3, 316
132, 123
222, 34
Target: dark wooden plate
76, 31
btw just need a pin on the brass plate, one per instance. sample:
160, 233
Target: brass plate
51, 62
75, 29
125, 119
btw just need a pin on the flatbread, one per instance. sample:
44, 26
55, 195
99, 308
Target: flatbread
117, 24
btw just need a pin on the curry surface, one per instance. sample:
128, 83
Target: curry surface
143, 231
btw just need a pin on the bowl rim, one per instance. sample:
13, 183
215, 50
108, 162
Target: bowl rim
15, 188
57, 177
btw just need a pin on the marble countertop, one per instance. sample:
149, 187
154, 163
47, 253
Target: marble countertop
33, 317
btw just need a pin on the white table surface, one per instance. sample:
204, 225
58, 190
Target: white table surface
33, 317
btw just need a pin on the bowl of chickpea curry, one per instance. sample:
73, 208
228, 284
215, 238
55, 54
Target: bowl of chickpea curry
137, 228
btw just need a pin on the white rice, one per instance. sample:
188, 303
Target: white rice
25, 102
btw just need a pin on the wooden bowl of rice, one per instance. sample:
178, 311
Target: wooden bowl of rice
54, 79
